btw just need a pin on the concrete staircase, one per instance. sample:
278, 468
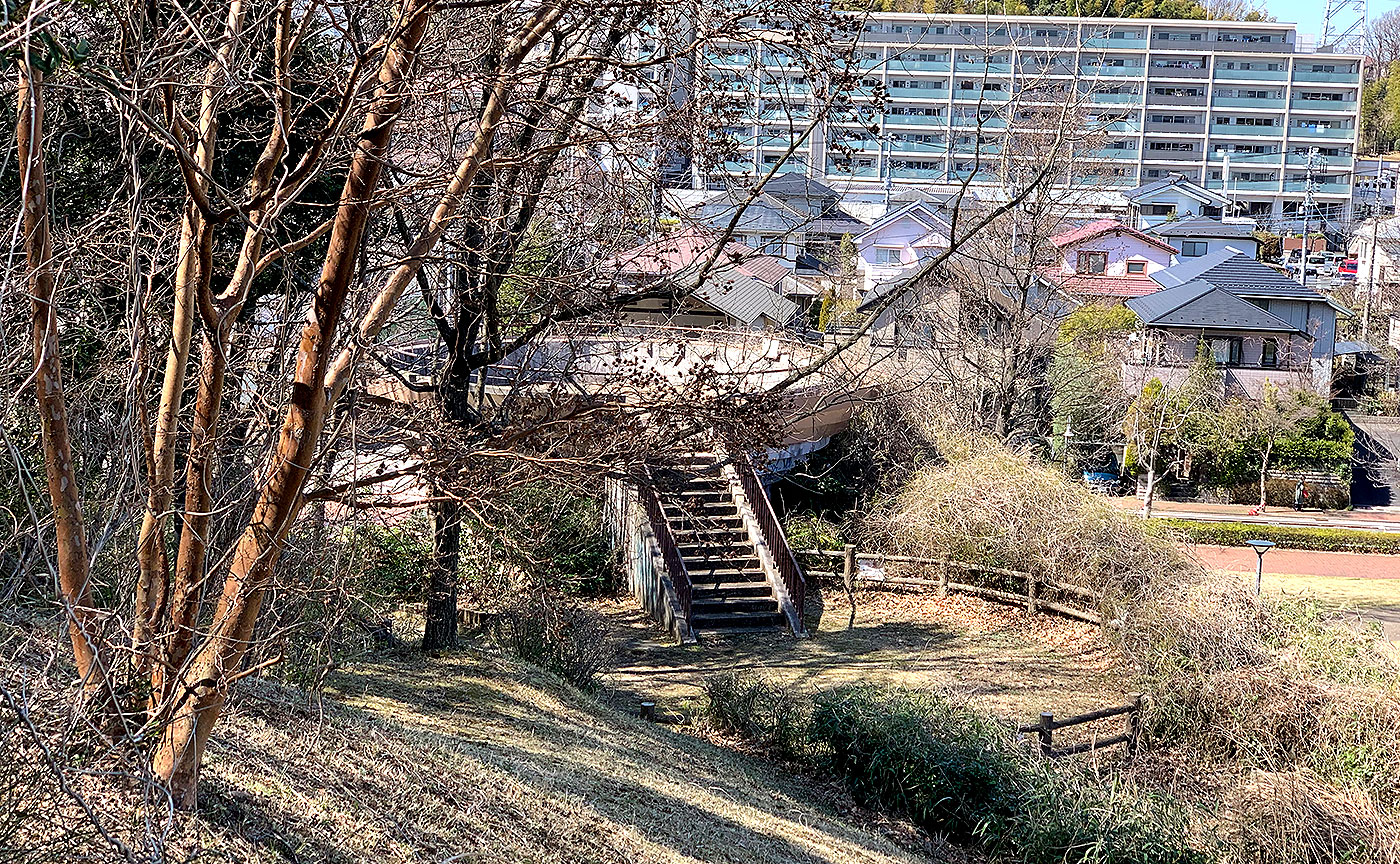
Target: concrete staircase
729, 589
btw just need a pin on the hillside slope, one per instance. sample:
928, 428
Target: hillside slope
472, 759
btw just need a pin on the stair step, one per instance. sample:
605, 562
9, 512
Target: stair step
716, 564
733, 606
705, 590
738, 621
682, 533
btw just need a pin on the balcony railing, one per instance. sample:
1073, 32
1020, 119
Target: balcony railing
1242, 160
1327, 77
981, 96
1177, 72
1111, 71
1250, 74
1110, 42
1274, 103
1252, 131
1244, 185
1117, 98
984, 123
1329, 188
1301, 104
898, 65
1320, 132
914, 120
979, 68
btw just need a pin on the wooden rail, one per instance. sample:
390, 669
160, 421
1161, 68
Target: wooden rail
1034, 584
1044, 730
773, 536
675, 564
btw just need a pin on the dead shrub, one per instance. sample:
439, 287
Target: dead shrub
1294, 816
547, 629
999, 509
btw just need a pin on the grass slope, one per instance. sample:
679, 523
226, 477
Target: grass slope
472, 759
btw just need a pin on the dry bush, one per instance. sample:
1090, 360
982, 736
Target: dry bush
543, 627
1003, 510
1279, 818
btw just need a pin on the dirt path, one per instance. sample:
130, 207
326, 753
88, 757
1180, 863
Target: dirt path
1006, 662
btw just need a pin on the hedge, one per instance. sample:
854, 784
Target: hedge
1286, 536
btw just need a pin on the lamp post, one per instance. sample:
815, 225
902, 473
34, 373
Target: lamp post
1260, 547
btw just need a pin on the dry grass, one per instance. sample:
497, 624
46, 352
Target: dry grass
1294, 817
473, 759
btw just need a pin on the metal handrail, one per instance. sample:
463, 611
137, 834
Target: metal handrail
675, 565
773, 535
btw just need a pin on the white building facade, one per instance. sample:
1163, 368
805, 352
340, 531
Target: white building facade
1238, 107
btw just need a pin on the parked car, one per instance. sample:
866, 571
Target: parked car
1102, 482
1347, 269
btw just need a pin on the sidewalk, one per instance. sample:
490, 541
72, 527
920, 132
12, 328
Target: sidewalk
1372, 518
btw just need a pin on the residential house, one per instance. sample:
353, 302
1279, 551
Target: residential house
1196, 236
1106, 261
742, 289
795, 218
1258, 324
1172, 197
912, 233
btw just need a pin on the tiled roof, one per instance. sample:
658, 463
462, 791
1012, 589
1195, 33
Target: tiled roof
1202, 226
1201, 304
1100, 227
1086, 285
1195, 190
689, 247
1237, 273
744, 298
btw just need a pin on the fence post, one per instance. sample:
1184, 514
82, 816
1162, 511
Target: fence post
943, 575
1045, 732
1134, 723
848, 578
1032, 592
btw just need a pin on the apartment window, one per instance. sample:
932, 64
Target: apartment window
1094, 263
1175, 146
1193, 248
1162, 210
1269, 356
888, 256
1137, 268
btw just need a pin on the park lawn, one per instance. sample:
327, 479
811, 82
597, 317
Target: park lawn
1341, 592
1005, 662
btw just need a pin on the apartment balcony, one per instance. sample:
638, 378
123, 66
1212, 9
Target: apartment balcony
1115, 42
1243, 47
1032, 70
1111, 71
1243, 160
784, 89
939, 147
1175, 128
1154, 100
1320, 132
1341, 105
917, 173
865, 145
1334, 187
1250, 74
897, 65
981, 68
738, 59
926, 95
1275, 131
981, 95
864, 171
1129, 126
982, 123
1150, 155
1271, 104
1115, 153
1116, 98
1300, 160
914, 120
1327, 77
1243, 185
1177, 72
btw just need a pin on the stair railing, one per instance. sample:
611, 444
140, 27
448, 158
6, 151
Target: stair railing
773, 535
661, 528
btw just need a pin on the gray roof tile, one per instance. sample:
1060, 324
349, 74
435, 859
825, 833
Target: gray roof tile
1200, 304
1237, 273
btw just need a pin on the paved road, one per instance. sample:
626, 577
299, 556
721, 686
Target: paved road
1372, 518
1301, 562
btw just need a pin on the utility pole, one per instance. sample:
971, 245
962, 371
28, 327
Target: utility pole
1315, 161
1375, 231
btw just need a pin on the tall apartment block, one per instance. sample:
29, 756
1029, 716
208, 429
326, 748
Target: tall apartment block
1237, 106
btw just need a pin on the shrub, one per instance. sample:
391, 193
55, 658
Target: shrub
552, 533
998, 509
1293, 817
1286, 536
948, 768
813, 532
551, 631
759, 710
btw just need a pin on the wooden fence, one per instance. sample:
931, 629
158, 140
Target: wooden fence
1044, 731
1034, 586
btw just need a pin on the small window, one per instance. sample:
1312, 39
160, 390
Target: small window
1193, 248
1094, 263
1163, 209
888, 256
1137, 268
1269, 356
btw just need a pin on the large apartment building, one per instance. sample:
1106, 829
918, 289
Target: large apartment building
1239, 107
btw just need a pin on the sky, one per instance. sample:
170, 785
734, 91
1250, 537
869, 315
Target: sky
1307, 14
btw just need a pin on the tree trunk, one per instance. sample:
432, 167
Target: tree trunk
1151, 489
440, 629
74, 582
211, 669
